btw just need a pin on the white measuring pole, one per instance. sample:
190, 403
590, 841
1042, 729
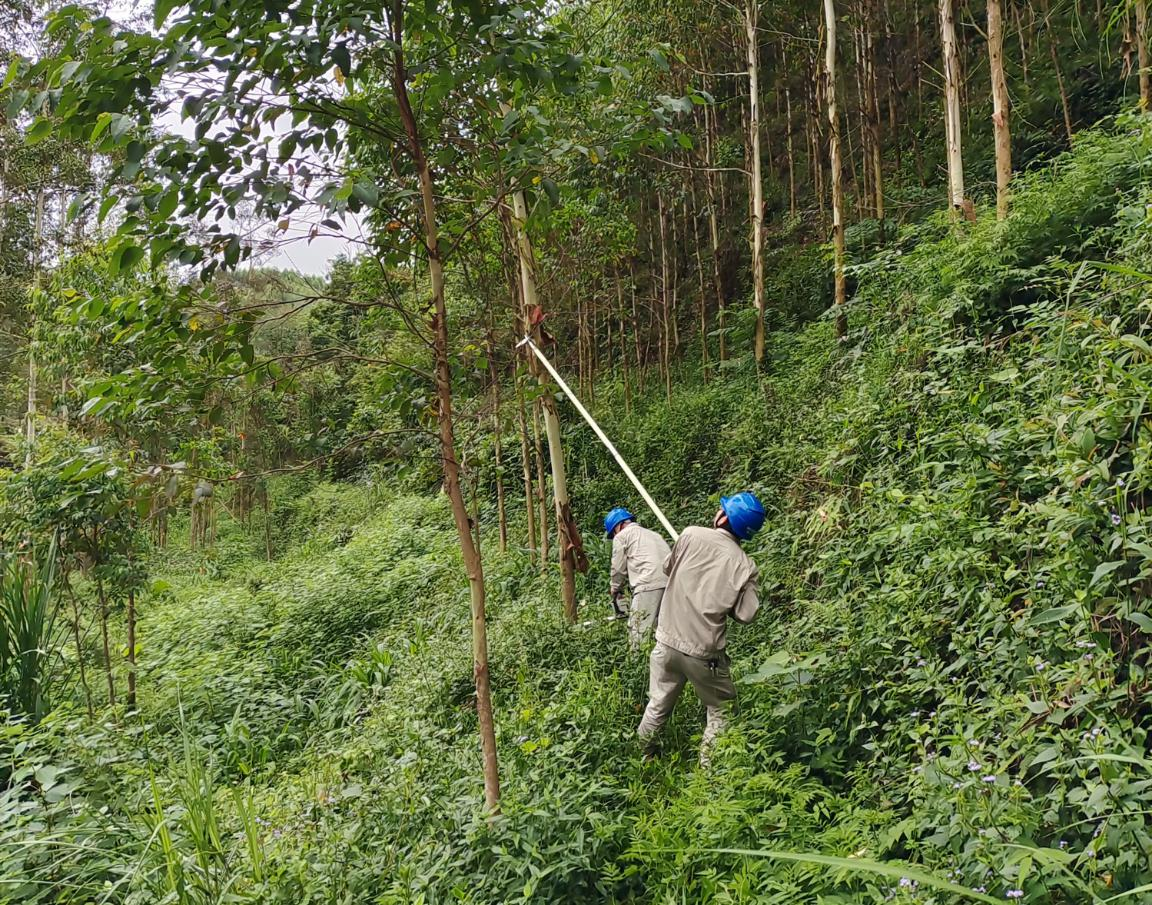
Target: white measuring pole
672, 532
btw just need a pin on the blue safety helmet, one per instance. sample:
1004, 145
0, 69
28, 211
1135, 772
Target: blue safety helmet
615, 517
745, 514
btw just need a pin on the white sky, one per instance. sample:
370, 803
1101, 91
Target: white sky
293, 249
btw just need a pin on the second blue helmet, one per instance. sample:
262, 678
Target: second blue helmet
615, 517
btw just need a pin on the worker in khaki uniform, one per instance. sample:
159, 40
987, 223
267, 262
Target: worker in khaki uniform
638, 557
710, 579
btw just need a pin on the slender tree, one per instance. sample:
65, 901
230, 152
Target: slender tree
836, 167
1144, 59
756, 184
953, 124
1000, 107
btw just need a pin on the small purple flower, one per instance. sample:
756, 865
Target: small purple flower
973, 766
991, 777
905, 883
1041, 666
980, 889
1015, 894
1119, 482
957, 785
1115, 518
1040, 583
1063, 843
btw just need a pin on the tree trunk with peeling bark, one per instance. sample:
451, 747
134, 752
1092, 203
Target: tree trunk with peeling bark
952, 121
1000, 107
835, 166
567, 536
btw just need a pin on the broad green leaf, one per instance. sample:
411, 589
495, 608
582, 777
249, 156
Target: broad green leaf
1055, 614
1104, 569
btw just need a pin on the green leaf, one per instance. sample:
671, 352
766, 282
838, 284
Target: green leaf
1142, 620
1105, 569
1055, 614
125, 258
40, 130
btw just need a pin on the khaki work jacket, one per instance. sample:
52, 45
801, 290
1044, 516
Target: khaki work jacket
709, 580
638, 556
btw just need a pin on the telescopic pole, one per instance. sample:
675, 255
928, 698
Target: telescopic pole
672, 532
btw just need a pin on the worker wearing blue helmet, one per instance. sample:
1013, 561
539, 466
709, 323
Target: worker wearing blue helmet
638, 556
710, 580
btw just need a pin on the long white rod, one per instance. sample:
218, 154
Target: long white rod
672, 532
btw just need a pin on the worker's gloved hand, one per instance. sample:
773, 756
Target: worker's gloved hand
618, 605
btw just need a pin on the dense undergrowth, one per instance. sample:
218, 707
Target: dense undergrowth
950, 668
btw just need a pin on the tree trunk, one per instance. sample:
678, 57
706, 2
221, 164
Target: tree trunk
788, 126
873, 91
541, 489
472, 564
714, 236
836, 166
497, 451
636, 328
1000, 107
131, 620
526, 462
30, 415
703, 292
751, 26
952, 121
1143, 57
623, 347
103, 599
566, 536
1064, 106
80, 650
665, 320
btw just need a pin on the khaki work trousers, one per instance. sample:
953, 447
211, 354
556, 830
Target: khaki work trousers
644, 612
668, 671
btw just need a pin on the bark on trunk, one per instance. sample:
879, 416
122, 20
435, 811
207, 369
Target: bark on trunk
874, 117
834, 158
131, 620
1000, 107
106, 641
1142, 54
472, 564
751, 30
526, 463
567, 538
952, 120
30, 414
541, 489
791, 149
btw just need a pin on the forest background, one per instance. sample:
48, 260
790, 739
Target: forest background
303, 598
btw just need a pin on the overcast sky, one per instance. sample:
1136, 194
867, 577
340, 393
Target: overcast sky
293, 251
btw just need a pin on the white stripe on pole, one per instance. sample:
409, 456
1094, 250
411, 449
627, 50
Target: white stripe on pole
672, 532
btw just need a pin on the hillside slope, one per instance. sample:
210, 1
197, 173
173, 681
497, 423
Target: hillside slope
950, 668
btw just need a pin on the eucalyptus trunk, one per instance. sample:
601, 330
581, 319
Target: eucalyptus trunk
567, 537
473, 566
1000, 107
952, 121
835, 167
752, 35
